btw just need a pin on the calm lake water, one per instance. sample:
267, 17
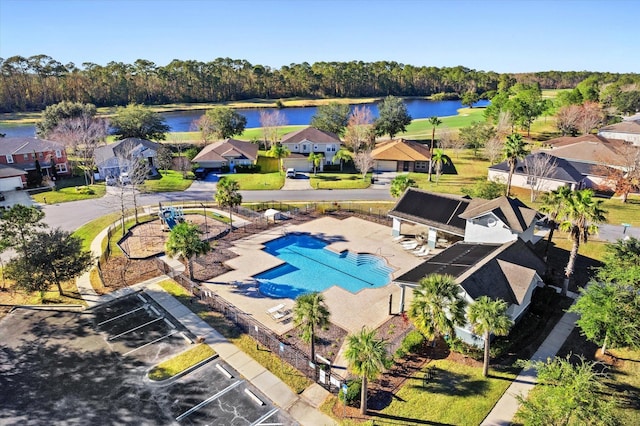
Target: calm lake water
182, 121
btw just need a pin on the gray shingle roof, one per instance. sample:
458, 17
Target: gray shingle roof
105, 153
511, 211
217, 151
8, 171
21, 145
311, 134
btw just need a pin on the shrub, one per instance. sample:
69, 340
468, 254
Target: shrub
487, 189
445, 96
457, 345
85, 190
412, 341
331, 168
353, 393
248, 168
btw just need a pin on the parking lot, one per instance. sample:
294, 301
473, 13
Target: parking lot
91, 367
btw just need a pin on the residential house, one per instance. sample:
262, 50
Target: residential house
27, 154
227, 153
11, 178
628, 130
116, 158
510, 271
581, 162
444, 218
306, 141
401, 155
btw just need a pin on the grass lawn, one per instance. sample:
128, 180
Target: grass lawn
88, 232
289, 375
10, 295
339, 181
255, 133
456, 395
470, 170
625, 379
257, 181
181, 362
168, 181
72, 189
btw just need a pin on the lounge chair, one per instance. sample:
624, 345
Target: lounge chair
275, 309
411, 246
398, 239
421, 250
424, 253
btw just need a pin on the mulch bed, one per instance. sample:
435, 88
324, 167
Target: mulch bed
328, 341
120, 272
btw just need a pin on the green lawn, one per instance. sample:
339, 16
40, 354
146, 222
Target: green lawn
422, 128
339, 181
71, 193
457, 395
168, 181
257, 181
255, 133
289, 375
181, 362
88, 232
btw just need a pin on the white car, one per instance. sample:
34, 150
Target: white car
124, 178
291, 173
110, 180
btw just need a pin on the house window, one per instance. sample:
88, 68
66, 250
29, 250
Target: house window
25, 156
59, 155
61, 168
420, 165
40, 154
315, 148
296, 147
331, 148
305, 147
9, 159
531, 180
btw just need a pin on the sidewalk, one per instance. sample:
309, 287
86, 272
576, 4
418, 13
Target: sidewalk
302, 408
507, 406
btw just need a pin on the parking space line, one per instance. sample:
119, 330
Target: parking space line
141, 297
136, 328
154, 310
169, 323
265, 417
207, 401
151, 343
120, 316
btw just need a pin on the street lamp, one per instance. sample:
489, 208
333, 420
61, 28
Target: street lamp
206, 228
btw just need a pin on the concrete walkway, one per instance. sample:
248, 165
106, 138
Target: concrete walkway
507, 406
302, 408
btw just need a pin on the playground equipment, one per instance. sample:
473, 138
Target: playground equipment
170, 216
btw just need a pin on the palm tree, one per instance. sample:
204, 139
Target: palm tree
342, 155
489, 317
316, 159
184, 241
435, 122
581, 214
310, 312
279, 152
552, 204
367, 358
399, 184
439, 159
437, 306
227, 195
514, 149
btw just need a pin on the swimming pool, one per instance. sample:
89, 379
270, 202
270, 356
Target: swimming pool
311, 267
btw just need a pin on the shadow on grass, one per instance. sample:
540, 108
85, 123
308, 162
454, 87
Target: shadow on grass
451, 383
387, 419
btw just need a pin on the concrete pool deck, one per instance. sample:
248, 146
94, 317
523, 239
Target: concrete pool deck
350, 311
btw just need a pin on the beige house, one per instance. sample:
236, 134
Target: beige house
227, 153
401, 155
309, 140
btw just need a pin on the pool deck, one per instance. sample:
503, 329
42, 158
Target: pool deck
350, 311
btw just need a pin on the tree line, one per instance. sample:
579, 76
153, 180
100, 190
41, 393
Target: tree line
33, 83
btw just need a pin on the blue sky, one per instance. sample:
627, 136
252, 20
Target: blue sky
498, 35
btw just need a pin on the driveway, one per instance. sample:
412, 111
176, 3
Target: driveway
301, 182
12, 198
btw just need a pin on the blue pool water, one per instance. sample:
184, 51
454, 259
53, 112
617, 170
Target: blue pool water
310, 267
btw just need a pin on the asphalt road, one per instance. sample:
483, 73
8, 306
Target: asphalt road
69, 216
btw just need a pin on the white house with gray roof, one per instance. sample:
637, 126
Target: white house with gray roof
116, 158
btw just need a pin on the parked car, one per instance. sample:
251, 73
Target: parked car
291, 173
110, 180
124, 178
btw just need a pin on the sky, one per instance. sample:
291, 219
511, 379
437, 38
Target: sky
487, 35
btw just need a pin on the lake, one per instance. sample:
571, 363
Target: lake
182, 121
